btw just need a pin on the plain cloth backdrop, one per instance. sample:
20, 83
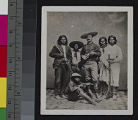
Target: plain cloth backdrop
74, 24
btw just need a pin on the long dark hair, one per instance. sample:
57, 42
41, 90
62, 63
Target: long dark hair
101, 39
59, 39
112, 36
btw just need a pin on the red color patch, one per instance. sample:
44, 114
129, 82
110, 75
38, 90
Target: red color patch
3, 61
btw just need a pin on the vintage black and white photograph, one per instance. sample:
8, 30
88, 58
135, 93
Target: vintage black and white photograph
86, 60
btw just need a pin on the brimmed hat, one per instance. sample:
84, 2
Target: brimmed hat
84, 36
72, 44
75, 75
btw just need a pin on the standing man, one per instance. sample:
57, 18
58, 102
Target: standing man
103, 63
90, 54
104, 68
62, 54
115, 53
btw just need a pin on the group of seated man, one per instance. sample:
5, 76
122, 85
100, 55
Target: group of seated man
86, 71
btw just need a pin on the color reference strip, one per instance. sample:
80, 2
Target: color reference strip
3, 29
3, 61
3, 96
3, 92
3, 57
2, 114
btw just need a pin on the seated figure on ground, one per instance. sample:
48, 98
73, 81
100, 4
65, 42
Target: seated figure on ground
78, 90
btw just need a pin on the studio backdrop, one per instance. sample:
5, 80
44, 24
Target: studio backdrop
74, 24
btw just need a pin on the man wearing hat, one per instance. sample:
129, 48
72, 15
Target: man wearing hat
76, 54
90, 53
78, 89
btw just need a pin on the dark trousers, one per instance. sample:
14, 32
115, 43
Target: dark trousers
62, 78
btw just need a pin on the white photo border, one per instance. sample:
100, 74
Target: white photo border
46, 9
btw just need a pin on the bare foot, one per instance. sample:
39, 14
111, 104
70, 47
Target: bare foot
57, 97
114, 97
63, 96
92, 102
98, 100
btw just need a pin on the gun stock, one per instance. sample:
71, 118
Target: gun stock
109, 84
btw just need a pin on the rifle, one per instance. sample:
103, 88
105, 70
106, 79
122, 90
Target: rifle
109, 85
61, 52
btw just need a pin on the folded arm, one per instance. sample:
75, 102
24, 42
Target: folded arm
97, 52
55, 53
